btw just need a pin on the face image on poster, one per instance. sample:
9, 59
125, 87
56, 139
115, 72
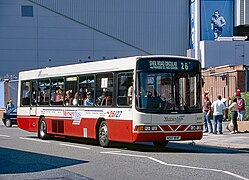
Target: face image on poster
216, 19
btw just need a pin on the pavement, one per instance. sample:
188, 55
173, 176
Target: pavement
239, 140
226, 140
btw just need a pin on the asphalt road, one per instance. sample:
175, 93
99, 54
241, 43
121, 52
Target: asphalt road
24, 156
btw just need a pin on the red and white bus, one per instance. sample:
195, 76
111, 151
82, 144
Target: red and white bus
135, 99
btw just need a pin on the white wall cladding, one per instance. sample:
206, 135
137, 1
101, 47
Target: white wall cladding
157, 27
69, 30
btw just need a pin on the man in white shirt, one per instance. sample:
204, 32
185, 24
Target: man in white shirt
218, 108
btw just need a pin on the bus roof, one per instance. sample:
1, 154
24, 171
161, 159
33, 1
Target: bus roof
120, 64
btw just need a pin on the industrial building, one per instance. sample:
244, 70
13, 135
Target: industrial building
38, 33
44, 33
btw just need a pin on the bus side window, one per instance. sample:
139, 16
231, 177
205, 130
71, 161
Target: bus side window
125, 89
104, 89
33, 93
25, 90
43, 92
57, 91
86, 85
71, 85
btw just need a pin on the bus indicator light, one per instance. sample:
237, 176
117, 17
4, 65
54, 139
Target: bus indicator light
147, 128
195, 127
154, 128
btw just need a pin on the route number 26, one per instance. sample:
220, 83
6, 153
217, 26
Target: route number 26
184, 66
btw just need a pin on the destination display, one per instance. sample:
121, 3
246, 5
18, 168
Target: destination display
168, 64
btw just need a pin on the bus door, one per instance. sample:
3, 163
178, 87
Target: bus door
33, 98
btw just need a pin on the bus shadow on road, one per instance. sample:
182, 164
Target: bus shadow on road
16, 161
172, 147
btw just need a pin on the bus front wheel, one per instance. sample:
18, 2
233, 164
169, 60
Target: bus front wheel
103, 134
160, 144
42, 131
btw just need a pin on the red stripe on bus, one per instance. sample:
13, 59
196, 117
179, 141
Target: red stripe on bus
119, 130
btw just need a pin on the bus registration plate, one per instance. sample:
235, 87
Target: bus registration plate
173, 138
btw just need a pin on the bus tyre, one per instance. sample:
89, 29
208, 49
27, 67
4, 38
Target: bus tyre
8, 123
103, 134
42, 131
160, 144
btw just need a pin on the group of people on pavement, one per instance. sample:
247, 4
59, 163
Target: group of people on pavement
217, 110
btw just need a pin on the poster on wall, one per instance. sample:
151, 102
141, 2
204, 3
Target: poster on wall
216, 19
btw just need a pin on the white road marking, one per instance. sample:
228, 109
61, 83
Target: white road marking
71, 145
178, 165
122, 154
2, 135
37, 140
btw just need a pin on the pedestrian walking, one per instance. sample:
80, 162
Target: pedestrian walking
207, 115
234, 110
218, 108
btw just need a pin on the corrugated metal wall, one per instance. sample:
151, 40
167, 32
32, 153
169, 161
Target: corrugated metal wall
246, 11
156, 27
69, 31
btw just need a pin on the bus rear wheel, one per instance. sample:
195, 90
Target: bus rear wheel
103, 137
160, 144
42, 131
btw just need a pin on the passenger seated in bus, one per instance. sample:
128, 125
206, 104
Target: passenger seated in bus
75, 99
26, 92
89, 100
129, 95
149, 94
33, 95
106, 99
53, 95
59, 96
68, 98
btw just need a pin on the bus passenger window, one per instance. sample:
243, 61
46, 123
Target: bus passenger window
33, 93
25, 93
57, 91
104, 89
86, 84
125, 89
43, 92
71, 90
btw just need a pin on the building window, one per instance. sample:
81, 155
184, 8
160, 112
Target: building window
27, 11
